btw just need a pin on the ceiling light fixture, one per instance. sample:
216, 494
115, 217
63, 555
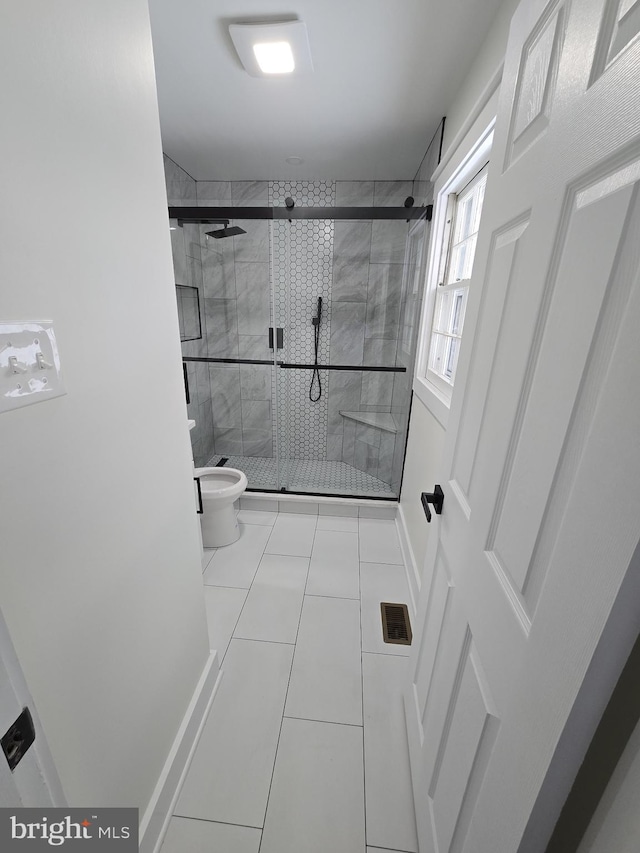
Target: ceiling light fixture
268, 50
274, 57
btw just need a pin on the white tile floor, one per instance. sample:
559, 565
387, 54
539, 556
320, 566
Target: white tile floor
305, 747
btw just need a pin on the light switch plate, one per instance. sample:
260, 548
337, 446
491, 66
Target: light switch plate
29, 364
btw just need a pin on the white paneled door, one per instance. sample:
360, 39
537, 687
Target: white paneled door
34, 781
541, 471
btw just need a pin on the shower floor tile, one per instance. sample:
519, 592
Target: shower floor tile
310, 475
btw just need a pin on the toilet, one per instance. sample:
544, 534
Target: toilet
219, 487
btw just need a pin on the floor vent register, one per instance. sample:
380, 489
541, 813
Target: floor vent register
396, 627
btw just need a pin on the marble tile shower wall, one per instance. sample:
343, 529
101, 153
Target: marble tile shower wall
237, 288
367, 302
237, 306
187, 265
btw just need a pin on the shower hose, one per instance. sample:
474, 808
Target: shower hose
314, 395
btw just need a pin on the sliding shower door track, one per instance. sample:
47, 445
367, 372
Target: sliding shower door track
289, 492
205, 215
285, 365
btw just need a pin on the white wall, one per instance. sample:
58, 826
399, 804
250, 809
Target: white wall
100, 578
482, 68
421, 472
426, 434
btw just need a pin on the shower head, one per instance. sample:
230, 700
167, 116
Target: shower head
226, 231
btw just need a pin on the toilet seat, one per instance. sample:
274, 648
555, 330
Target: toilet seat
217, 483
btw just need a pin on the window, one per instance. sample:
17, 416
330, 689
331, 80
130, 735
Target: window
459, 184
462, 221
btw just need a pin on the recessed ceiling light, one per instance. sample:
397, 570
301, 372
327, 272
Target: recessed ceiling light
294, 161
268, 50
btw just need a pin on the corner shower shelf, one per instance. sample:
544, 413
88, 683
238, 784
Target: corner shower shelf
381, 420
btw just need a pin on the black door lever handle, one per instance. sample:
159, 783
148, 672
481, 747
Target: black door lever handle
436, 498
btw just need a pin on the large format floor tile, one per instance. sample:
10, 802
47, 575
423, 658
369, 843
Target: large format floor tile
380, 850
326, 675
223, 605
292, 535
390, 815
207, 554
316, 795
381, 582
272, 609
335, 509
316, 801
236, 564
334, 569
202, 836
230, 774
338, 522
379, 541
253, 516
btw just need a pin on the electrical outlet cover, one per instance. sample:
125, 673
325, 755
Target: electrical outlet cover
29, 364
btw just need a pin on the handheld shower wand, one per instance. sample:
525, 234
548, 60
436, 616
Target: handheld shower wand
315, 376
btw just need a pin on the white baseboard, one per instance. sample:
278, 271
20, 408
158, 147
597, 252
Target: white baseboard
411, 567
155, 820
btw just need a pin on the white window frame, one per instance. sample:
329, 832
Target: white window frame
459, 287
449, 178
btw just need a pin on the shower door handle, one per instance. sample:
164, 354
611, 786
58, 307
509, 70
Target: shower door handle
279, 338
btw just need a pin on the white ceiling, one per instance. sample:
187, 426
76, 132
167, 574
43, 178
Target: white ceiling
385, 73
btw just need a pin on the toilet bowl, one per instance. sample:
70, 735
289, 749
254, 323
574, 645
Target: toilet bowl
219, 487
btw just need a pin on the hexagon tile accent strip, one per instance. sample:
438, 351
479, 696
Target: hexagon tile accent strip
304, 193
302, 271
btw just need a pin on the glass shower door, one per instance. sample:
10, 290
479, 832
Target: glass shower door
337, 433
300, 378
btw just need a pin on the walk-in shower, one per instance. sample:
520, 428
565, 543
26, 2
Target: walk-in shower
302, 374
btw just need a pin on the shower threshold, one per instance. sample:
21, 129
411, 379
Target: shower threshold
308, 475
